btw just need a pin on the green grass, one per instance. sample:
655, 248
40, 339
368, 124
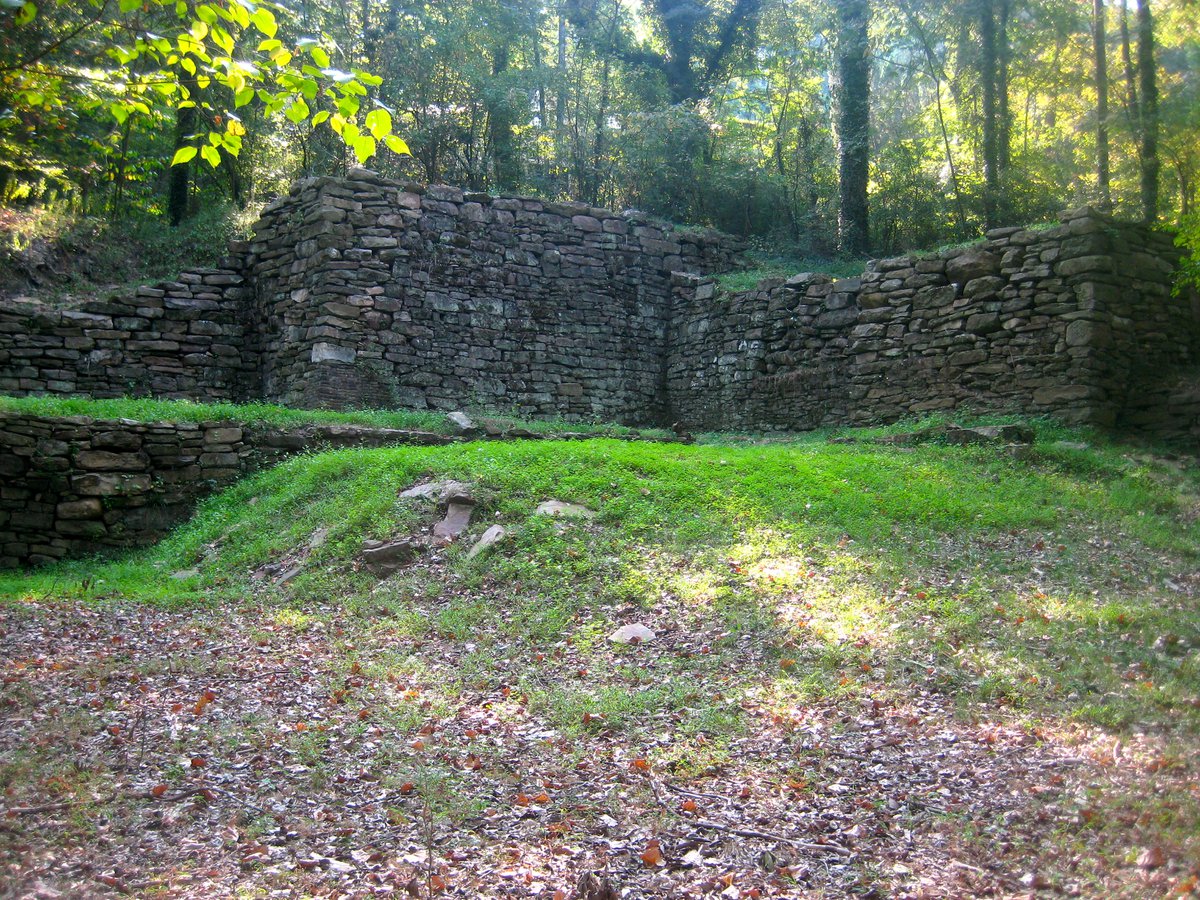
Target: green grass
768, 265
1040, 585
143, 409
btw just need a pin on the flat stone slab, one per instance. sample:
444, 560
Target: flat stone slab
445, 491
384, 558
458, 518
564, 510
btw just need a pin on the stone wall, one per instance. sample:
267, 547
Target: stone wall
1075, 321
365, 292
431, 297
75, 485
185, 339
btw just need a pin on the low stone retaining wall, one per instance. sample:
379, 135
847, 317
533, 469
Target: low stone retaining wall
183, 339
74, 485
1077, 321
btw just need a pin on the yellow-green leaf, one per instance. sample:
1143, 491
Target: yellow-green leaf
397, 145
298, 110
320, 57
182, 155
264, 21
379, 123
211, 155
364, 148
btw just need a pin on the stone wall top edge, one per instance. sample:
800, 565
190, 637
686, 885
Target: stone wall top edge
369, 181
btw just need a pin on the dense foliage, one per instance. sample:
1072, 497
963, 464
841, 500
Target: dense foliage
738, 113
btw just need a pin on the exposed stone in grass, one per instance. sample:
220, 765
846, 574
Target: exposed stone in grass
489, 538
633, 634
563, 510
384, 558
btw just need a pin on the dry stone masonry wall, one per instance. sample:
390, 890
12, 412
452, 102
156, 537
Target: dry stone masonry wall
431, 297
365, 292
185, 339
75, 485
1076, 321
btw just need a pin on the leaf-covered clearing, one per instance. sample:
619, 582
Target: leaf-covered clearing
877, 671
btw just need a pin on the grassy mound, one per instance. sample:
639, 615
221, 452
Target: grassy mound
836, 625
1011, 571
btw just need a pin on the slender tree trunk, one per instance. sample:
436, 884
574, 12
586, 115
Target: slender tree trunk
937, 75
500, 127
1004, 125
1148, 83
560, 107
1133, 107
987, 75
853, 132
1100, 53
181, 174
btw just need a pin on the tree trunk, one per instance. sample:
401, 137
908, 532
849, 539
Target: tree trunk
1004, 125
987, 77
1100, 53
560, 107
1148, 83
853, 132
500, 127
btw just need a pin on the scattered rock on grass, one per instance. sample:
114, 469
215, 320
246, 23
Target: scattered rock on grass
489, 538
462, 423
632, 634
990, 434
443, 490
384, 558
460, 505
564, 510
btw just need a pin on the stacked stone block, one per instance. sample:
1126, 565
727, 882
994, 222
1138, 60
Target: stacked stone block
184, 339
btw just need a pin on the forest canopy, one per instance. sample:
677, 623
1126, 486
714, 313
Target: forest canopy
813, 124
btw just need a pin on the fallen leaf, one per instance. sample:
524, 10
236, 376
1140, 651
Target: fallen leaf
652, 855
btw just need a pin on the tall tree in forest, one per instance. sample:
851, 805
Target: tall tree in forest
699, 42
853, 124
989, 57
1100, 56
1148, 83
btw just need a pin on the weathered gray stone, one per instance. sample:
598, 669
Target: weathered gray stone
972, 263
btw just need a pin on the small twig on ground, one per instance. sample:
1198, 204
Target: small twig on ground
955, 864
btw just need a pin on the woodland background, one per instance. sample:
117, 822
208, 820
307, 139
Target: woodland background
812, 127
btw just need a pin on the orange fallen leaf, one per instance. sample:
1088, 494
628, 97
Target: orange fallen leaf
206, 698
688, 806
198, 762
158, 790
652, 855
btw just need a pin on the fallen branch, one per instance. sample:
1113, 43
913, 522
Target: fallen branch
829, 847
